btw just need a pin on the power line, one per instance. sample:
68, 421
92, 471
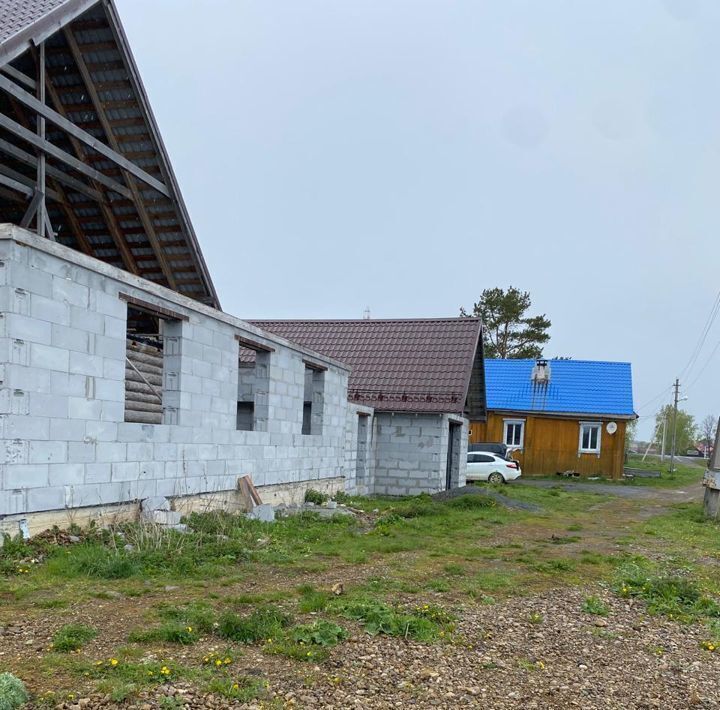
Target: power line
655, 398
704, 367
703, 337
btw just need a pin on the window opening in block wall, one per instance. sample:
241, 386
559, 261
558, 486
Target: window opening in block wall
313, 399
253, 388
144, 367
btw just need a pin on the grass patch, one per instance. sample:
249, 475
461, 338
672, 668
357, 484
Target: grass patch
171, 632
596, 606
312, 600
264, 623
72, 637
454, 570
673, 594
243, 689
425, 623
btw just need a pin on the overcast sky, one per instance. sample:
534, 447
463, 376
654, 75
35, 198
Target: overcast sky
402, 155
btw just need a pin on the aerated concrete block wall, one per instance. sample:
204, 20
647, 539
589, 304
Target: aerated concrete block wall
411, 453
63, 439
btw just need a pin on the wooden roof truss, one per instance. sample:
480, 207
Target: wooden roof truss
81, 158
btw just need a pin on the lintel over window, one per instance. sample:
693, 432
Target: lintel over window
590, 437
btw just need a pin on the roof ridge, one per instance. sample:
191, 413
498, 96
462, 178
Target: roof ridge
448, 319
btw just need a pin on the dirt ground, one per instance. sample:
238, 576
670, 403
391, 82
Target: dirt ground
522, 648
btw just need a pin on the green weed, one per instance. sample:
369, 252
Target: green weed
264, 623
594, 605
312, 600
72, 637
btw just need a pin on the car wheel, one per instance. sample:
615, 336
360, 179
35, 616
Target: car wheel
496, 477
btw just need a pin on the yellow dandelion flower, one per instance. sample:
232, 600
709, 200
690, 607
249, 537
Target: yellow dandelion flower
235, 686
227, 660
189, 628
218, 662
113, 661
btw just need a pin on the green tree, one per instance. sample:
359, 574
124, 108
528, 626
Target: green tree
508, 331
686, 430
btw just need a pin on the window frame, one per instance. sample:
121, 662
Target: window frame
514, 422
590, 425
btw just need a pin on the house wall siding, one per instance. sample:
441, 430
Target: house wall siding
551, 444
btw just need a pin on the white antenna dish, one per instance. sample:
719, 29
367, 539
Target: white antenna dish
611, 427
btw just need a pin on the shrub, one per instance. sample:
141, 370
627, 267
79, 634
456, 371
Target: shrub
71, 637
593, 605
313, 496
266, 622
12, 692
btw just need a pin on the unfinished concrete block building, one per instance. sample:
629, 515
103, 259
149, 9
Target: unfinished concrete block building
120, 377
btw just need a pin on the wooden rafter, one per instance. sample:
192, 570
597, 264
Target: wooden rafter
107, 213
45, 112
113, 143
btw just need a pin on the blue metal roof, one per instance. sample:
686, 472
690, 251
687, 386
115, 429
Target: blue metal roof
575, 387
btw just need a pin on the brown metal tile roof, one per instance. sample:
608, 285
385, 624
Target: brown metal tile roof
422, 365
18, 15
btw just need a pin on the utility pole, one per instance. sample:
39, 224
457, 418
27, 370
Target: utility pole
676, 387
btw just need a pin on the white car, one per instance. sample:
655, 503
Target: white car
484, 466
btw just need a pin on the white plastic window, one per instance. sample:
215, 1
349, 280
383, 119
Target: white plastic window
514, 435
590, 436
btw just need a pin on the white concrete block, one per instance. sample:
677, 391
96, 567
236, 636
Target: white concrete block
84, 364
66, 291
81, 408
28, 329
46, 498
26, 427
67, 474
47, 452
46, 357
49, 310
97, 473
26, 476
125, 471
69, 338
81, 452
110, 451
47, 405
102, 431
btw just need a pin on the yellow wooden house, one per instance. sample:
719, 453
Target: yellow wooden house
559, 416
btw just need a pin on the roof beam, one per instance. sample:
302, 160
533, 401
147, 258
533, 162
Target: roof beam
59, 120
67, 180
113, 142
15, 184
19, 76
25, 184
43, 144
